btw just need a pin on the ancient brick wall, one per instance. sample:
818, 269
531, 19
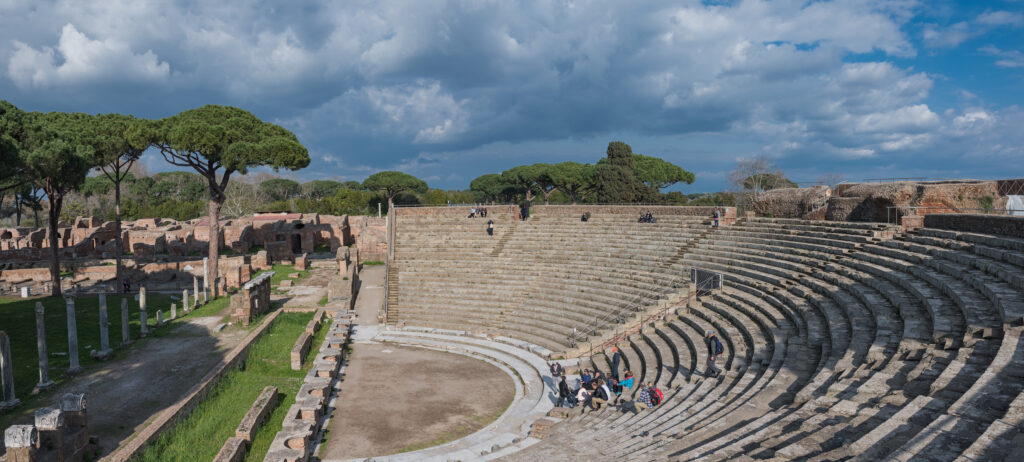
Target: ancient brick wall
986, 224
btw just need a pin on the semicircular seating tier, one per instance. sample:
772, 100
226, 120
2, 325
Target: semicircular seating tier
552, 280
843, 340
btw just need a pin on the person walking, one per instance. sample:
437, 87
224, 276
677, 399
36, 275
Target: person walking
715, 349
490, 227
563, 392
616, 359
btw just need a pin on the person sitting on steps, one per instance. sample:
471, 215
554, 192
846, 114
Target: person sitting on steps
643, 401
600, 396
556, 369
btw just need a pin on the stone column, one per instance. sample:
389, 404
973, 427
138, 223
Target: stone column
195, 292
105, 350
44, 358
126, 334
174, 311
159, 317
184, 297
72, 337
144, 324
7, 399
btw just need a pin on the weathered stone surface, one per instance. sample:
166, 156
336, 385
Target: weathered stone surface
300, 350
252, 300
258, 413
302, 262
233, 450
793, 202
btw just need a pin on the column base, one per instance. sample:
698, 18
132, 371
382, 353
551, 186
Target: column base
42, 386
103, 354
5, 405
73, 370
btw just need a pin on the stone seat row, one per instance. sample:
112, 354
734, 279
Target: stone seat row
942, 391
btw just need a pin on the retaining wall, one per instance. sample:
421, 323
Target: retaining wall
988, 224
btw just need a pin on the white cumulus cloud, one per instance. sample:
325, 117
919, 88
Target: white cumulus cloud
79, 59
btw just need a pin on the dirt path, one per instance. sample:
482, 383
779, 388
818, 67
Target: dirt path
396, 399
307, 292
124, 394
371, 294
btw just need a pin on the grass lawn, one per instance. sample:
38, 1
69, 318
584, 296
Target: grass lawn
18, 320
201, 435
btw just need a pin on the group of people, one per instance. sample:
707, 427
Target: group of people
595, 390
478, 212
647, 218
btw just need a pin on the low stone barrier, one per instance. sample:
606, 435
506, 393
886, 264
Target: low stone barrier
232, 451
265, 403
183, 407
300, 350
314, 324
303, 420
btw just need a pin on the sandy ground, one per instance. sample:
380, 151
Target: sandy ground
125, 394
401, 398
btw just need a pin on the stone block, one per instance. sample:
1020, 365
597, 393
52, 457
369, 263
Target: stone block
258, 413
285, 283
294, 275
302, 262
300, 350
232, 451
260, 261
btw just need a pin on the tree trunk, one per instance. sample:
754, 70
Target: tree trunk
55, 204
214, 252
117, 228
17, 211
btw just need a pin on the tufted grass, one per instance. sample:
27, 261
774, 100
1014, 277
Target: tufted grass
202, 433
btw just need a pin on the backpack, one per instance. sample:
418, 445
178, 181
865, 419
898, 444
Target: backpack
719, 349
656, 396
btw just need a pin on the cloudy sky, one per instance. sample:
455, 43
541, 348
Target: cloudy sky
450, 90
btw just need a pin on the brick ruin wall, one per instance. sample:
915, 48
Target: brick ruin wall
874, 201
806, 203
167, 252
370, 236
